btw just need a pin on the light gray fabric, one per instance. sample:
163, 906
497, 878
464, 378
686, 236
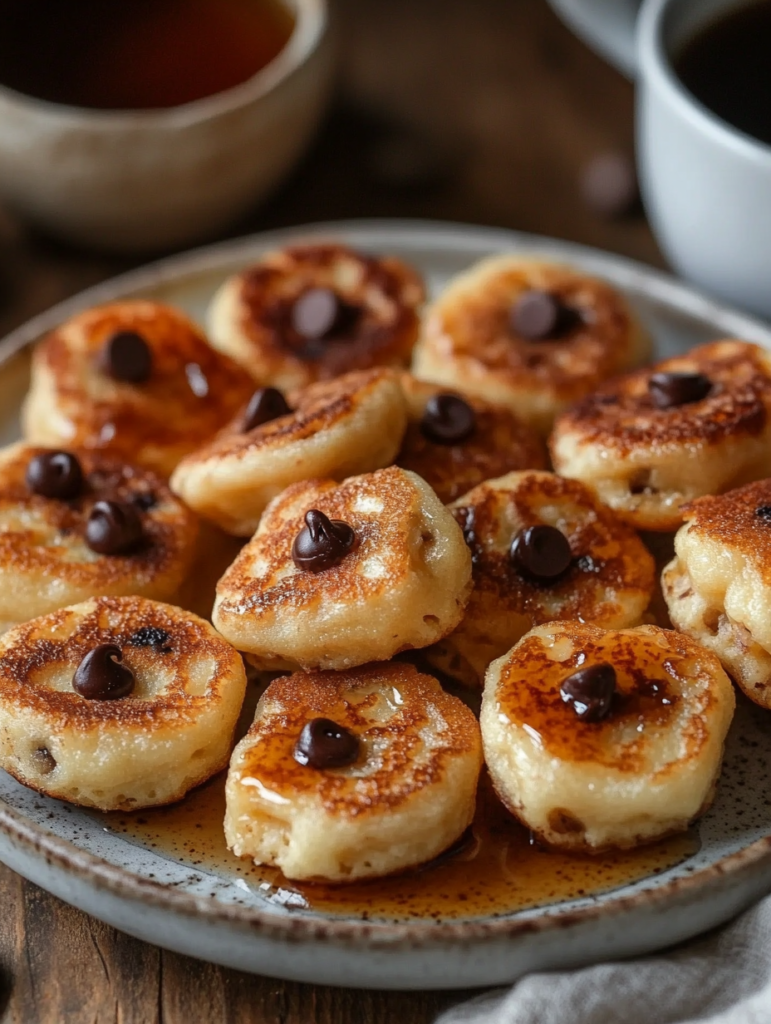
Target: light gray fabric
724, 978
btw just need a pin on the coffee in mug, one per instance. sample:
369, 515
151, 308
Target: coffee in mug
727, 67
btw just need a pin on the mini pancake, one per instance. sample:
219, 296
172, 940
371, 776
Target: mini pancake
403, 582
608, 580
171, 733
373, 320
190, 393
45, 561
473, 341
408, 794
498, 443
336, 429
646, 769
646, 461
718, 586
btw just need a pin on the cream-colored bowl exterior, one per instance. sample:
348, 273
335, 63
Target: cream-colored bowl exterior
155, 179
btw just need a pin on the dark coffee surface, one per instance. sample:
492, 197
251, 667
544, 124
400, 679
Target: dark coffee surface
727, 66
139, 53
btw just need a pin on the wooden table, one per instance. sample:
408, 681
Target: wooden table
513, 106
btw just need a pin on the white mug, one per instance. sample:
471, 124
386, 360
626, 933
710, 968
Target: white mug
706, 185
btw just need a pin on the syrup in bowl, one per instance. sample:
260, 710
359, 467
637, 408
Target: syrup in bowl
139, 54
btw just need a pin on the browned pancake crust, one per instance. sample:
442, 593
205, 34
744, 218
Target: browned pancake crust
169, 527
65, 637
529, 693
621, 417
384, 534
609, 557
314, 408
499, 444
388, 292
192, 392
478, 331
731, 520
294, 700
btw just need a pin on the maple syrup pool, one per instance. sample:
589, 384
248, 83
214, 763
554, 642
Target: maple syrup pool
494, 870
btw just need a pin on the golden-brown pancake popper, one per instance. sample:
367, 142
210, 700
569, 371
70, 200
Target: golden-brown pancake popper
341, 574
356, 774
718, 586
649, 442
605, 738
456, 441
134, 378
542, 548
333, 429
76, 524
529, 334
311, 312
117, 703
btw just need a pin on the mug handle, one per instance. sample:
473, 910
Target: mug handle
608, 26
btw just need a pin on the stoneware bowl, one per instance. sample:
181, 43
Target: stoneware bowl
155, 179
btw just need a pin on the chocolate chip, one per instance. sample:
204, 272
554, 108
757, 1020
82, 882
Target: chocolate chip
609, 186
113, 528
150, 636
325, 744
672, 389
540, 316
266, 404
99, 676
126, 357
320, 313
764, 512
590, 691
43, 760
447, 419
541, 552
322, 542
145, 500
55, 475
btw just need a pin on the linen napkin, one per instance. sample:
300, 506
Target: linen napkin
722, 978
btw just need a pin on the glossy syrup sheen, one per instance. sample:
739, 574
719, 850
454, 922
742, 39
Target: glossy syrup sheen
495, 869
137, 54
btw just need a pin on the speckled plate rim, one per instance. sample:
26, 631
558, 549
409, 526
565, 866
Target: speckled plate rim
739, 878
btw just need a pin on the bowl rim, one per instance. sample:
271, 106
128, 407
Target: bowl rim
311, 24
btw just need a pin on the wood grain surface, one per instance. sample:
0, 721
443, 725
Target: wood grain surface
481, 111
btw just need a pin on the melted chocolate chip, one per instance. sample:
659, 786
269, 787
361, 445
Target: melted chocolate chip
540, 316
43, 760
321, 543
447, 419
320, 313
541, 552
265, 405
145, 500
150, 636
764, 512
590, 691
126, 357
55, 475
672, 389
100, 676
325, 744
113, 528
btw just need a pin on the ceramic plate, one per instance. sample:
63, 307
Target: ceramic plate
177, 901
